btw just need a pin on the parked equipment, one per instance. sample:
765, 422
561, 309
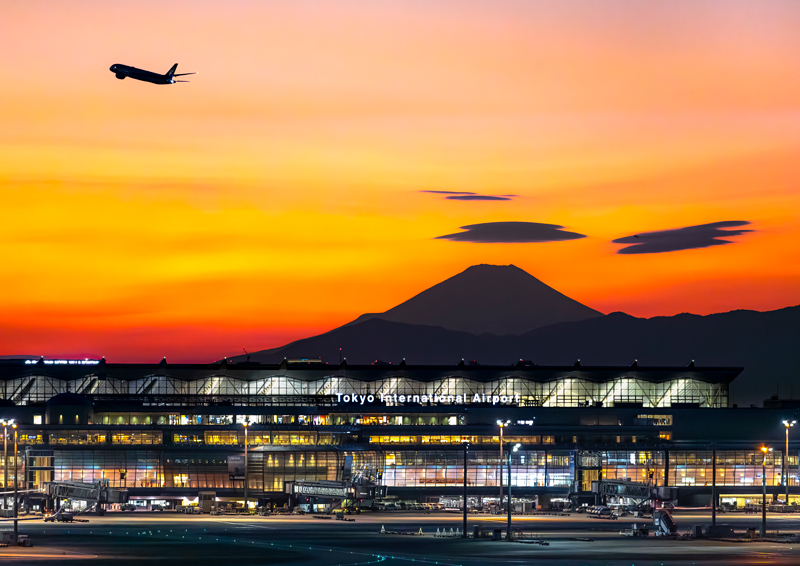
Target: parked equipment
664, 524
60, 516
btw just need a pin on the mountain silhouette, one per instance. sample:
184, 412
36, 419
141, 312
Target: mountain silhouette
498, 299
764, 343
497, 315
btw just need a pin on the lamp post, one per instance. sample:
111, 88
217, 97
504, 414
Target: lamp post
466, 448
508, 529
5, 456
16, 467
766, 451
502, 425
714, 485
246, 509
787, 425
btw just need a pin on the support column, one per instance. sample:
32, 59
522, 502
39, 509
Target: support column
464, 534
576, 474
508, 528
714, 485
545, 468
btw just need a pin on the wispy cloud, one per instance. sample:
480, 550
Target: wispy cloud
687, 238
511, 233
449, 192
481, 197
465, 195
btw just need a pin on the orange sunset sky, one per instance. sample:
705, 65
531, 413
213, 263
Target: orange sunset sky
277, 195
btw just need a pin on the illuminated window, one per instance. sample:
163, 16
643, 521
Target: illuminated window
37, 419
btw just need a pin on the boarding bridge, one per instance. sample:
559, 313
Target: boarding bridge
335, 493
96, 493
637, 494
633, 490
359, 486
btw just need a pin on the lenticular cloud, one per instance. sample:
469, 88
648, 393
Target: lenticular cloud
511, 233
688, 238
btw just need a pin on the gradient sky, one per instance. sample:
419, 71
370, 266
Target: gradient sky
278, 194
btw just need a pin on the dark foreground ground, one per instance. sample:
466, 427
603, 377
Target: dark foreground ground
123, 539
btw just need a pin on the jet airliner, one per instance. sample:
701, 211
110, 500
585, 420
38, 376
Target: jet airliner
122, 71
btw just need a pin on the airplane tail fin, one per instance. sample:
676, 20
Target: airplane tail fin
172, 70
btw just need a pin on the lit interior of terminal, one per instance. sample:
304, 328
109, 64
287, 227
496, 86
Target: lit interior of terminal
167, 432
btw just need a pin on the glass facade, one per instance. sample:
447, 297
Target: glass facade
140, 468
77, 437
195, 470
21, 469
260, 438
268, 470
458, 439
327, 390
431, 468
637, 466
734, 468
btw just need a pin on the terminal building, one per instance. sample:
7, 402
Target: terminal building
167, 432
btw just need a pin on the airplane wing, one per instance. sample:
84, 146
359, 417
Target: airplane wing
182, 74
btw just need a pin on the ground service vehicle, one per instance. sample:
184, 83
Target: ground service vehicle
61, 517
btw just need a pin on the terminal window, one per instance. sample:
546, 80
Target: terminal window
734, 468
655, 420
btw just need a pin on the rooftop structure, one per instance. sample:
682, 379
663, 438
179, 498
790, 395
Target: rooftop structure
523, 383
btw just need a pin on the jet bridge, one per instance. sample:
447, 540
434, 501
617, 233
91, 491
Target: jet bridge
637, 493
95, 494
630, 494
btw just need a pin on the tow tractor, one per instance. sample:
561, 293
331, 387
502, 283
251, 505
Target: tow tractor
635, 531
61, 516
340, 517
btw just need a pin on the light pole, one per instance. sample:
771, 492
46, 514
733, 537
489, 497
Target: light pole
16, 467
766, 451
246, 509
787, 425
502, 425
508, 529
466, 448
5, 456
714, 485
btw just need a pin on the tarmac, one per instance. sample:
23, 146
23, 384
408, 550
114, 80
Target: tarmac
175, 539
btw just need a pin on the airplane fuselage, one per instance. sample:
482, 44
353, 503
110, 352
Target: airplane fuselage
124, 71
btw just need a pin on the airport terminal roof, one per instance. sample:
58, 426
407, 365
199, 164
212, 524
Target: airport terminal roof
69, 370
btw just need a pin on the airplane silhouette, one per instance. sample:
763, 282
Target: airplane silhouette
122, 71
